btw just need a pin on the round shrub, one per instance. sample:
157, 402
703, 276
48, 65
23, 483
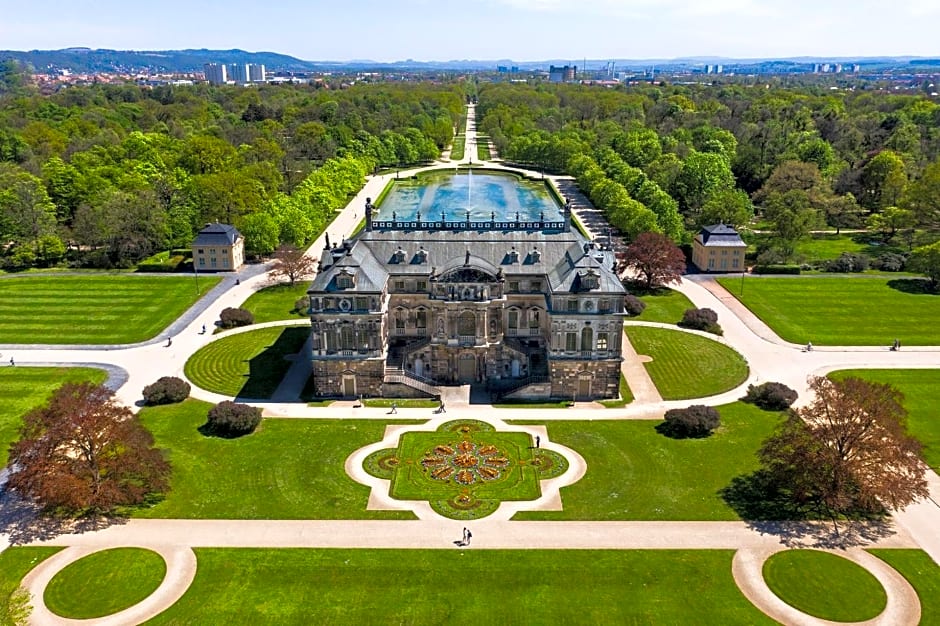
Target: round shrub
231, 419
701, 319
770, 396
167, 390
847, 262
633, 305
302, 305
232, 317
889, 262
695, 421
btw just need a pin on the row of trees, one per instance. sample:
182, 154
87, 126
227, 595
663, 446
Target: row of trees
108, 175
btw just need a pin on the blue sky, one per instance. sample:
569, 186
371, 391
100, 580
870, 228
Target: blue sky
522, 30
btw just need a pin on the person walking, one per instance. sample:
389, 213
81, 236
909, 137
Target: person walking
12, 362
442, 409
203, 329
394, 408
538, 441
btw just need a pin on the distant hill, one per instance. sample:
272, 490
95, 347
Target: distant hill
81, 60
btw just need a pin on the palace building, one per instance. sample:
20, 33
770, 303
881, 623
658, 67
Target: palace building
520, 309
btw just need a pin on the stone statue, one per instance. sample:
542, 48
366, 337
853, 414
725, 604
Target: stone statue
369, 209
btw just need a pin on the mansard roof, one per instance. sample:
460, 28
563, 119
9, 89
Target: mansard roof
720, 235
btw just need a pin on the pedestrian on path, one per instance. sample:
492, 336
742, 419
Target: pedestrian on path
441, 408
538, 441
467, 535
394, 408
12, 362
169, 342
203, 329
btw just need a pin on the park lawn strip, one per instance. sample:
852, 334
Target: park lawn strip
298, 586
402, 403
101, 309
287, 469
276, 302
663, 305
15, 563
23, 389
924, 575
921, 388
246, 365
104, 583
825, 585
840, 310
634, 473
686, 365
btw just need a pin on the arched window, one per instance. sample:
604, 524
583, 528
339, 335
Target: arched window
587, 339
400, 316
513, 319
467, 324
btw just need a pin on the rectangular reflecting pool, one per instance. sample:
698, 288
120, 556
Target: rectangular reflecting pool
487, 196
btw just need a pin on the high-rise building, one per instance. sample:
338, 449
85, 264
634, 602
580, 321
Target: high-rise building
215, 73
563, 74
256, 73
238, 72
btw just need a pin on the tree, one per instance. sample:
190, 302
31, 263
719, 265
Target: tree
890, 221
166, 390
291, 263
926, 260
85, 453
655, 258
848, 451
923, 197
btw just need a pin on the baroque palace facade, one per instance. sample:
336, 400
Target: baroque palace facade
522, 309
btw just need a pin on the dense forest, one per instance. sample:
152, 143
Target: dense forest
107, 175
104, 176
672, 158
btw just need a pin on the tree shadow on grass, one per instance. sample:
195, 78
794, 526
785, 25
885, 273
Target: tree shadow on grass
769, 511
24, 521
917, 286
267, 369
674, 432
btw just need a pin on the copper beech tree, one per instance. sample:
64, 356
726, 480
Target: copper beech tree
85, 453
292, 264
656, 259
848, 451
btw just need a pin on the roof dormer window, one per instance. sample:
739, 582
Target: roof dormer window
513, 255
421, 256
535, 255
399, 256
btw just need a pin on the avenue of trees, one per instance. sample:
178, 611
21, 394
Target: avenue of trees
671, 158
107, 175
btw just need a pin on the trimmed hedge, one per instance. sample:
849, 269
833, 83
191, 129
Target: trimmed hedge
696, 421
776, 269
701, 319
232, 317
167, 390
633, 305
232, 419
770, 396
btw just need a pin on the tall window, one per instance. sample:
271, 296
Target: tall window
571, 342
533, 318
572, 306
467, 324
400, 319
514, 319
347, 337
587, 339
601, 341
422, 318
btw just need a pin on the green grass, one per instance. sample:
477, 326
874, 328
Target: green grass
247, 365
626, 396
532, 404
25, 388
402, 403
840, 310
276, 303
923, 574
104, 583
825, 585
15, 563
634, 473
287, 469
677, 374
483, 149
457, 149
663, 305
462, 587
100, 309
921, 388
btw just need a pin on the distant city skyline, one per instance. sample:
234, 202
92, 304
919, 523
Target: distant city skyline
521, 30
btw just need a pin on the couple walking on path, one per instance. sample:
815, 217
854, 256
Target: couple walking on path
462, 543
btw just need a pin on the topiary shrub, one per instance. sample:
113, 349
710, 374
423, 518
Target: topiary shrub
231, 419
889, 262
232, 317
302, 305
701, 319
633, 305
770, 396
167, 390
846, 263
696, 421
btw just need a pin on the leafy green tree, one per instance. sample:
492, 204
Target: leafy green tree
730, 206
922, 197
703, 175
926, 260
261, 233
890, 221
792, 216
883, 180
26, 212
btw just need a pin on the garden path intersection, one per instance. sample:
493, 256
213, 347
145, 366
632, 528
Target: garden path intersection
769, 359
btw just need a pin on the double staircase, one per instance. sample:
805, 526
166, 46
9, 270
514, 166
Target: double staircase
400, 376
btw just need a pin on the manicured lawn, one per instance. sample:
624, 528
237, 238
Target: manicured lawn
686, 365
25, 388
825, 585
105, 582
15, 563
252, 586
287, 469
457, 148
108, 309
663, 305
923, 574
634, 473
277, 302
247, 365
841, 310
921, 388
402, 403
